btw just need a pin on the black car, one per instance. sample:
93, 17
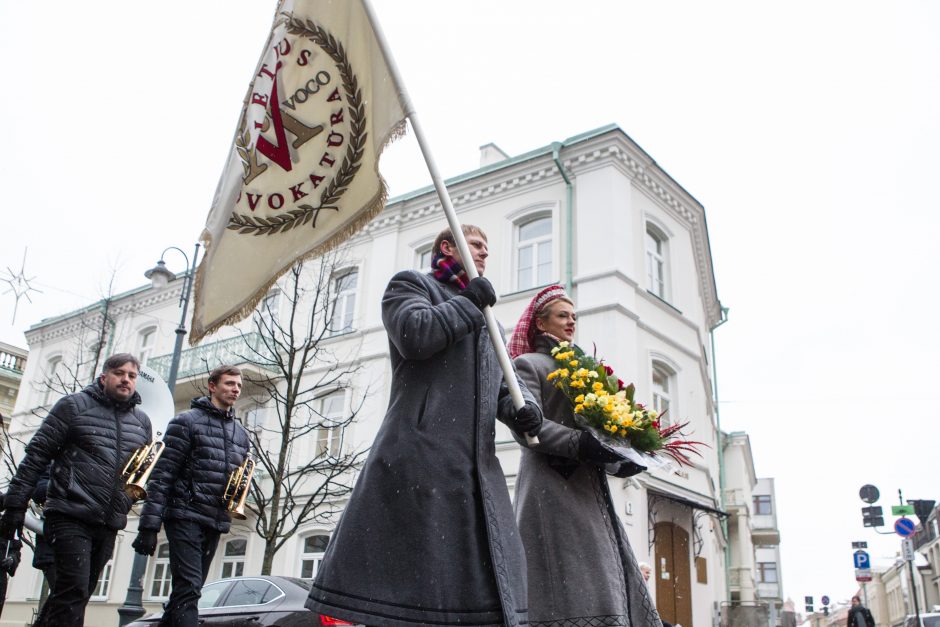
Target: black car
262, 601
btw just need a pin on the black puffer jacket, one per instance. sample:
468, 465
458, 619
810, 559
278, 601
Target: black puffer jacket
89, 437
203, 447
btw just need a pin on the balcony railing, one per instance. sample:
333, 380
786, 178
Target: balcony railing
12, 361
202, 359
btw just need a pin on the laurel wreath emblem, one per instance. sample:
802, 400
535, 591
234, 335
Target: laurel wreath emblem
303, 214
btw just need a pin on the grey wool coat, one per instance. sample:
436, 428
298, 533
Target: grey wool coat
429, 535
582, 570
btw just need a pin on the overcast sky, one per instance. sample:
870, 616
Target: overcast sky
808, 130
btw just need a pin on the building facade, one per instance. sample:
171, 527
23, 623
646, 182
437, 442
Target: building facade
12, 363
593, 212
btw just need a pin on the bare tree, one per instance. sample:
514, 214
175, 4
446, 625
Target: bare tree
303, 470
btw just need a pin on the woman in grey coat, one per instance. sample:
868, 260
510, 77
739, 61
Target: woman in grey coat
429, 536
581, 568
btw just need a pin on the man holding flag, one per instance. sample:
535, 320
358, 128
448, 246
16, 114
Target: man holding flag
429, 535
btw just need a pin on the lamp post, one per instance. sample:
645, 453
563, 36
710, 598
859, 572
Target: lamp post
159, 276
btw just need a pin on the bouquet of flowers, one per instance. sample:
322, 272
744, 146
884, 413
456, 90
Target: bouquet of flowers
605, 405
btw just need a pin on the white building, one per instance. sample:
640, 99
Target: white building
594, 212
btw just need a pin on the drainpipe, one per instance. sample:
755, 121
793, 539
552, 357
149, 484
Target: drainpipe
721, 454
568, 215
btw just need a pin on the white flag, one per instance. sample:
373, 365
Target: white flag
302, 175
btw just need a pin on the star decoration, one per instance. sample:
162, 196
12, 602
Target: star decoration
19, 285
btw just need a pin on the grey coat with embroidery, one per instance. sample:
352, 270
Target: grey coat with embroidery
429, 535
581, 568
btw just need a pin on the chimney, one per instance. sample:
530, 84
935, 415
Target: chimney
490, 154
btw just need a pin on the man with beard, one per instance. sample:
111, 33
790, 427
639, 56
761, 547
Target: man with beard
88, 438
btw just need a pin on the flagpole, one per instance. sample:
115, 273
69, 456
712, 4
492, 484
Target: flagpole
509, 374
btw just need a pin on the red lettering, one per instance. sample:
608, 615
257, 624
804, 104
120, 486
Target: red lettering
303, 56
253, 200
336, 118
283, 48
334, 96
295, 190
279, 154
327, 159
335, 139
275, 201
316, 180
264, 70
259, 99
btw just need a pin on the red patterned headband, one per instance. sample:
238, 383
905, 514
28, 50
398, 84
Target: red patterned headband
524, 334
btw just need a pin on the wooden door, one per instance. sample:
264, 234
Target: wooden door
673, 574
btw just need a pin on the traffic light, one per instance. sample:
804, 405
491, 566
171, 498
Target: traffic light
809, 604
923, 509
873, 516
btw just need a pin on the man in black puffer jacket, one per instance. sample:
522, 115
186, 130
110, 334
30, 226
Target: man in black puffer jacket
204, 446
88, 438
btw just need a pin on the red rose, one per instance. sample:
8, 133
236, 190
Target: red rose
609, 370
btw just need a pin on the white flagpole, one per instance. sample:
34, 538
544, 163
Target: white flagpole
509, 374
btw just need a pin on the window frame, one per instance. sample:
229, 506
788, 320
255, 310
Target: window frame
313, 556
167, 578
663, 394
764, 568
518, 223
335, 434
658, 257
759, 501
424, 249
105, 579
346, 294
146, 351
53, 364
234, 560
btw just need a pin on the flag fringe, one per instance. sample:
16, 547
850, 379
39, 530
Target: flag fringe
375, 206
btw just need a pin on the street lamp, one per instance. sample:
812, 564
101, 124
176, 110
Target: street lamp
160, 277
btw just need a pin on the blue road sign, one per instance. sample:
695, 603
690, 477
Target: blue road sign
904, 527
824, 600
861, 560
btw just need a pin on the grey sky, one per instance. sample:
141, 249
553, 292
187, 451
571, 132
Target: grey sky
809, 130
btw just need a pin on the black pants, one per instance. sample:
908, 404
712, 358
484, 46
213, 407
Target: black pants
192, 548
81, 551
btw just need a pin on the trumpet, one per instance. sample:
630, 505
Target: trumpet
138, 469
236, 491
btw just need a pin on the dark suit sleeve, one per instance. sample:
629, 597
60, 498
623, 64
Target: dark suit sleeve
554, 438
178, 444
44, 447
420, 329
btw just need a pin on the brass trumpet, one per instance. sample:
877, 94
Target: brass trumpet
138, 469
236, 491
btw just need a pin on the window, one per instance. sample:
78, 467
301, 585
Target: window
423, 258
663, 384
53, 384
104, 582
211, 593
160, 586
656, 261
314, 548
251, 592
329, 438
344, 302
763, 505
767, 572
267, 312
534, 253
233, 558
145, 345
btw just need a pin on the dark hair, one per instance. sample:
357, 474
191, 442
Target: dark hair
448, 235
117, 360
857, 598
224, 369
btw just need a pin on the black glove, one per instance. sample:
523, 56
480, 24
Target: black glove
480, 292
10, 556
591, 450
11, 522
146, 542
628, 469
528, 419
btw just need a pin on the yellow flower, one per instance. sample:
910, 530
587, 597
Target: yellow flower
552, 375
573, 363
578, 408
598, 386
577, 383
579, 398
